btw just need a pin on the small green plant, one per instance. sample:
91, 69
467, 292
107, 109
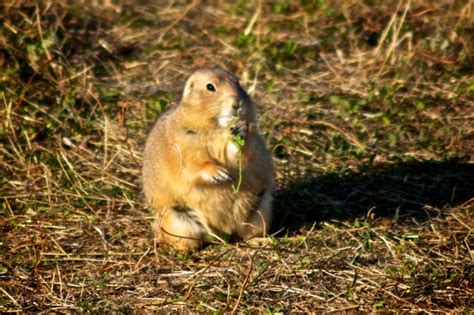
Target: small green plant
239, 142
3, 270
379, 305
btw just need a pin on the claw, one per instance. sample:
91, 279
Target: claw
222, 175
240, 128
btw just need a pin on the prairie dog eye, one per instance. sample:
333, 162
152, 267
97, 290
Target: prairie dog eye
210, 87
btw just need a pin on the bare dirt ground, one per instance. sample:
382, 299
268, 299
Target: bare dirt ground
367, 106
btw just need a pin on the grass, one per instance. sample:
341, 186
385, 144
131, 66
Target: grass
367, 107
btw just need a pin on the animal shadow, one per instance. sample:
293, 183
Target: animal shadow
402, 191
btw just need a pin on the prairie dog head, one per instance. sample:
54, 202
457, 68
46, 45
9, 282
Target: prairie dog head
215, 94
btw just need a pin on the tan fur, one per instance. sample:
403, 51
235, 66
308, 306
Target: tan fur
190, 160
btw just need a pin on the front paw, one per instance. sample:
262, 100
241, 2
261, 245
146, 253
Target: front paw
217, 176
222, 175
241, 128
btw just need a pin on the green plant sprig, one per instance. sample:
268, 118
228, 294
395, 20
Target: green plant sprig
240, 143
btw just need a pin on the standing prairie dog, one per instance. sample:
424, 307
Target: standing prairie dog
192, 165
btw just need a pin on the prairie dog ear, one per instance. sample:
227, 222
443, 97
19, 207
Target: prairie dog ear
188, 87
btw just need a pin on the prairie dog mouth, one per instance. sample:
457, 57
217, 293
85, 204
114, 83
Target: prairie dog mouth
232, 113
228, 120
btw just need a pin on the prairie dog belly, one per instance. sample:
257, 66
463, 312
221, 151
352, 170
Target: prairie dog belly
220, 209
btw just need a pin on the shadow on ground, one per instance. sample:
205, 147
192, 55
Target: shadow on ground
407, 190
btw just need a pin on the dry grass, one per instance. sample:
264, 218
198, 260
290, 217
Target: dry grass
368, 108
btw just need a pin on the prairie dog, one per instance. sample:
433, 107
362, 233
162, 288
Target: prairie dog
192, 165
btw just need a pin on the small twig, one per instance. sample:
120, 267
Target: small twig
40, 32
303, 292
185, 237
353, 139
135, 269
384, 239
186, 296
175, 22
249, 27
9, 296
462, 223
242, 288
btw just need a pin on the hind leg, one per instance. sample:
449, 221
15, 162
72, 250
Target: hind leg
259, 222
180, 228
